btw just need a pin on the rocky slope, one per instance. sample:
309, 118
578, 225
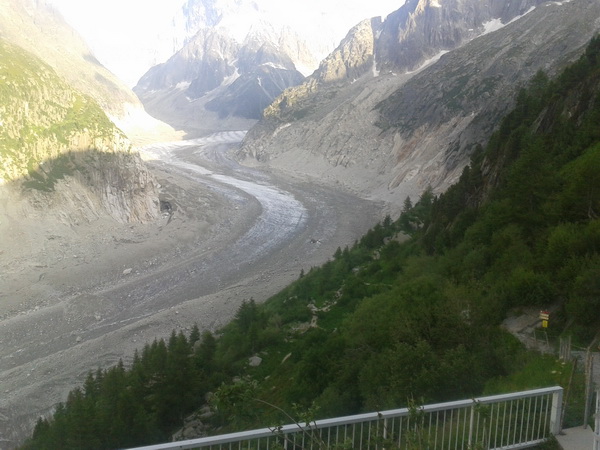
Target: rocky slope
52, 136
371, 123
38, 28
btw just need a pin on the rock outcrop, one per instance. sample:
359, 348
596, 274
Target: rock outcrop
394, 130
355, 55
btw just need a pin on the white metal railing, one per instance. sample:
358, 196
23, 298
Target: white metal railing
508, 421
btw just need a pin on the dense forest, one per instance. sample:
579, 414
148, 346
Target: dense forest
411, 312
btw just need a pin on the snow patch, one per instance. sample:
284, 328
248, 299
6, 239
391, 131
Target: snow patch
435, 4
282, 127
303, 69
231, 78
527, 12
375, 70
134, 115
428, 62
491, 26
183, 85
274, 66
496, 24
560, 3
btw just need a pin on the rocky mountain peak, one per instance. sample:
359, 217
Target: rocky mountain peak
354, 56
424, 5
422, 28
419, 31
234, 68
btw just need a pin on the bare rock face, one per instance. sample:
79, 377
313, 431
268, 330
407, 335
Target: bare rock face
127, 191
416, 32
393, 132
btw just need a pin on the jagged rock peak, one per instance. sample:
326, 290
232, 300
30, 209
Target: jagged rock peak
417, 32
355, 54
202, 64
420, 29
234, 66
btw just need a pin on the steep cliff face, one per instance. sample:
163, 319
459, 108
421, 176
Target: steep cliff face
52, 136
390, 134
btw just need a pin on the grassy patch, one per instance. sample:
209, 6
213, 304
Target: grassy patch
538, 371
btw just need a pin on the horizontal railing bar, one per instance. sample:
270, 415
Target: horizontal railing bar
516, 395
521, 445
349, 420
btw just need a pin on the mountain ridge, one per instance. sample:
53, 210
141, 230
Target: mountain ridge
232, 78
392, 135
296, 53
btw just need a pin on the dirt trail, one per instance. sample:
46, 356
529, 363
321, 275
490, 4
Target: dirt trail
75, 299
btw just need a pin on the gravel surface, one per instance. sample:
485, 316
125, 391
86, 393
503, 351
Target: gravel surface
75, 298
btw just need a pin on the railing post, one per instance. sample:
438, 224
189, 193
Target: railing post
556, 413
589, 381
471, 424
597, 427
384, 430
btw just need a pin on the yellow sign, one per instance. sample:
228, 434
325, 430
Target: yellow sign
544, 324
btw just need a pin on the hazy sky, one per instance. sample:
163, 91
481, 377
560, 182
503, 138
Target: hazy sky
123, 34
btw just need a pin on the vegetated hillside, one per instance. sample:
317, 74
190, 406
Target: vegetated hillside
390, 319
50, 131
38, 27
